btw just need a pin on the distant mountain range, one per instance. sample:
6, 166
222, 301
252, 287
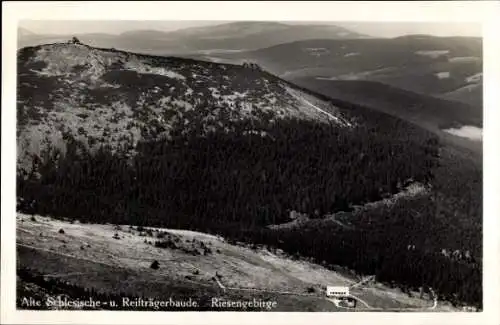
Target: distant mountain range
249, 35
23, 32
447, 67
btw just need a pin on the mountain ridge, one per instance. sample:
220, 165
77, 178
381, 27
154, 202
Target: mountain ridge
82, 78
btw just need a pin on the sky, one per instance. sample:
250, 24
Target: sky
376, 29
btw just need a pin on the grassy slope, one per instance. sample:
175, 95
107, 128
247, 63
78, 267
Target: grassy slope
123, 266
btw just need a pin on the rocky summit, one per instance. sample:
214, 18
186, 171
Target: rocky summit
99, 96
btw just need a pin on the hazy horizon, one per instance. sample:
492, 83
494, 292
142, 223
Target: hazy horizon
374, 29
